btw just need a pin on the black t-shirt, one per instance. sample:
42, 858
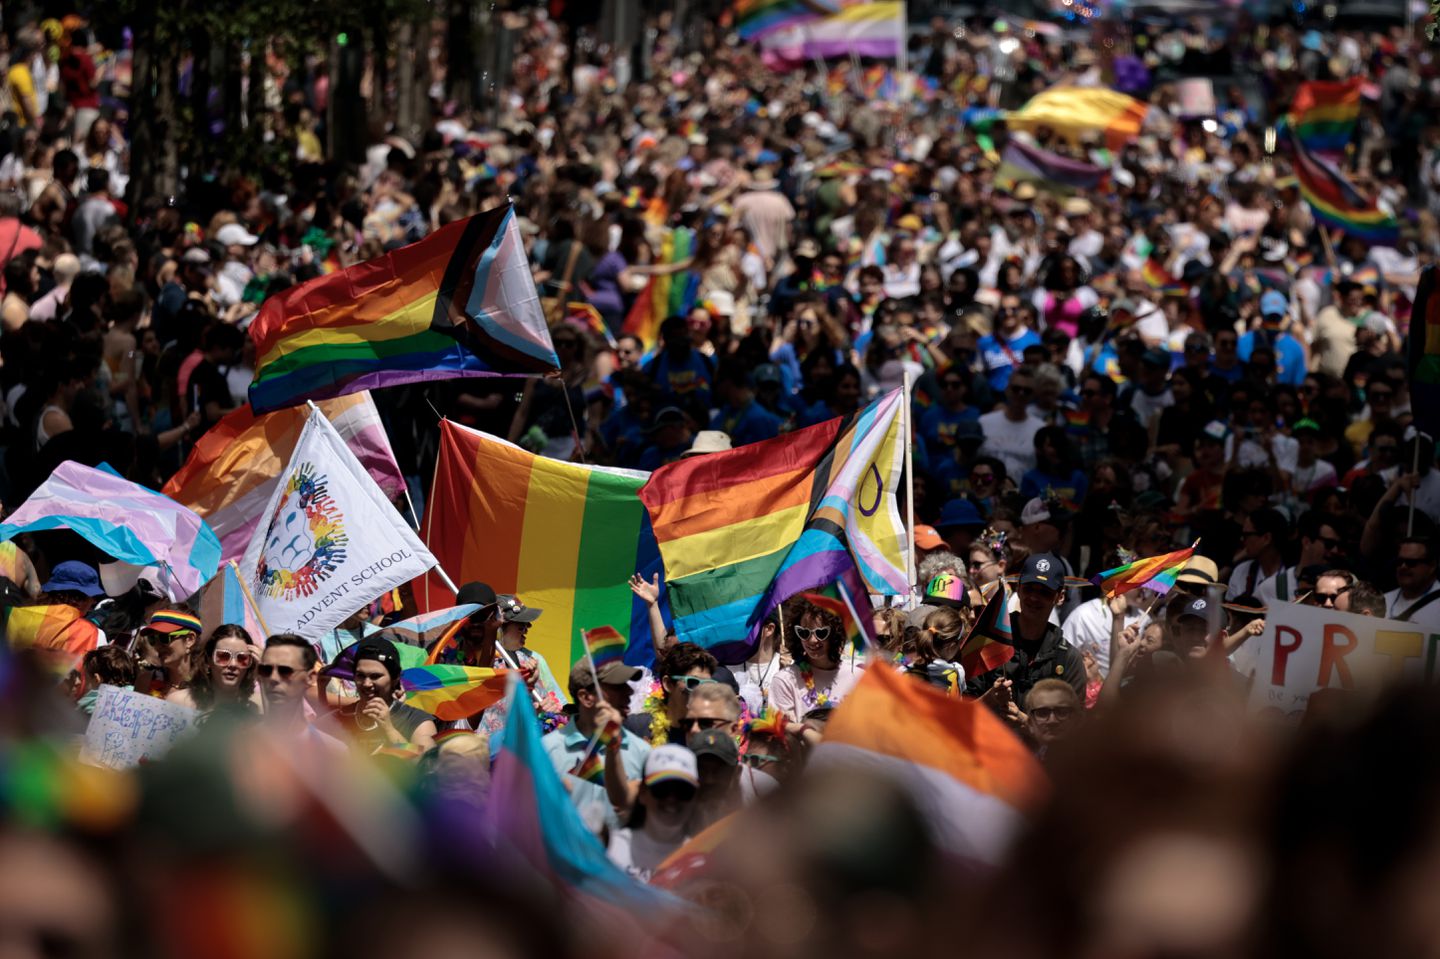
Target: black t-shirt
208, 385
407, 719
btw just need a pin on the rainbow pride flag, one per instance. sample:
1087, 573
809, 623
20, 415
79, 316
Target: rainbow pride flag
691, 861
564, 537
1336, 202
755, 18
1023, 163
451, 693
1324, 113
1159, 278
744, 530
665, 295
460, 302
423, 630
1424, 354
585, 316
990, 643
1153, 572
591, 766
970, 776
59, 634
1073, 112
605, 645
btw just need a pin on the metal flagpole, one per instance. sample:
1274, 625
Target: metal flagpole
909, 494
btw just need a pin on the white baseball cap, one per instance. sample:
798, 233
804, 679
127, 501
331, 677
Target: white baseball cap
233, 234
671, 763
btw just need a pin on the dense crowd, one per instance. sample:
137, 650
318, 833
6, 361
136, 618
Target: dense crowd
728, 253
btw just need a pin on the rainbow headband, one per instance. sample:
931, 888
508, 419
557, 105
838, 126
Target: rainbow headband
183, 622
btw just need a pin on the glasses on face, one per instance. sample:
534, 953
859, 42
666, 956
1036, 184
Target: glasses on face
977, 564
691, 683
1410, 562
820, 633
1047, 713
694, 725
1021, 390
266, 670
224, 657
982, 477
1329, 599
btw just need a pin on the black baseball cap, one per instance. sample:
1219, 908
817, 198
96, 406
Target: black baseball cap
477, 593
382, 651
717, 743
1197, 608
1043, 569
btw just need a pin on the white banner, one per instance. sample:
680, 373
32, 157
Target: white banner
329, 541
127, 727
1305, 649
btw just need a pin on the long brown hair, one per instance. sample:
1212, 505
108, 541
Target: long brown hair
942, 627
202, 686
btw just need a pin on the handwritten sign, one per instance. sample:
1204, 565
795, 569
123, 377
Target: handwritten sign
1305, 649
128, 727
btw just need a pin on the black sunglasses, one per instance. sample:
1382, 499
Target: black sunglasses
1044, 713
691, 725
267, 669
1411, 562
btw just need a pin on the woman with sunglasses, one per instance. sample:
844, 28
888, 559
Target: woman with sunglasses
167, 651
225, 674
986, 563
659, 823
818, 677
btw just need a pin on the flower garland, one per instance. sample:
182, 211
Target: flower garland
655, 708
813, 700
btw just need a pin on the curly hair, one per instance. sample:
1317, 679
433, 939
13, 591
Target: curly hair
803, 609
202, 686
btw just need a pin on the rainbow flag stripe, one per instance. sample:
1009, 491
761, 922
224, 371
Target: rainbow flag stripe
667, 295
458, 303
970, 777
1336, 202
1323, 114
847, 598
591, 766
564, 537
1159, 278
744, 530
1153, 572
606, 646
756, 18
451, 693
57, 633
1023, 163
990, 643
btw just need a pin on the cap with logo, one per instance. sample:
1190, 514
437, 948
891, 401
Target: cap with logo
380, 650
671, 763
1197, 608
717, 743
927, 538
511, 610
1043, 569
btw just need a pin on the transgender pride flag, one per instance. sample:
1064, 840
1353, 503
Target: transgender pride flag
131, 523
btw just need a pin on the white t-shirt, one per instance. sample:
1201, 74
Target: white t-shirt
1240, 578
639, 854
1269, 590
1089, 625
790, 695
1011, 443
1427, 616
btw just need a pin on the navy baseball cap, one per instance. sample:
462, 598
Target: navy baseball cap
1198, 608
1042, 569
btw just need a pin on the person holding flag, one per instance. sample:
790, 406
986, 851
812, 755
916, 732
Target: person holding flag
1040, 650
594, 740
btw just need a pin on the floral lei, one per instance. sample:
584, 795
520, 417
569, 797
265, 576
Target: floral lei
813, 700
654, 707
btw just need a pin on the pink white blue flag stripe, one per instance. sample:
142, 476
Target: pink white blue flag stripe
126, 520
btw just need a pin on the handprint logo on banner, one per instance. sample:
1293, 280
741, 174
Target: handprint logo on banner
305, 541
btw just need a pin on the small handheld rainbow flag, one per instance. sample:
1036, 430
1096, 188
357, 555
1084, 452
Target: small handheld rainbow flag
1155, 572
450, 693
845, 597
990, 643
1324, 113
605, 645
1159, 278
591, 766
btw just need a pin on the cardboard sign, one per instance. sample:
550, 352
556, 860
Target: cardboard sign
1305, 649
128, 728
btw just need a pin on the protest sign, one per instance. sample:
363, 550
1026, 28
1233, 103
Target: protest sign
129, 727
1306, 648
329, 542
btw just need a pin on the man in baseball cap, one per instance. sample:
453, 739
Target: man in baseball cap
1040, 650
1190, 628
600, 700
